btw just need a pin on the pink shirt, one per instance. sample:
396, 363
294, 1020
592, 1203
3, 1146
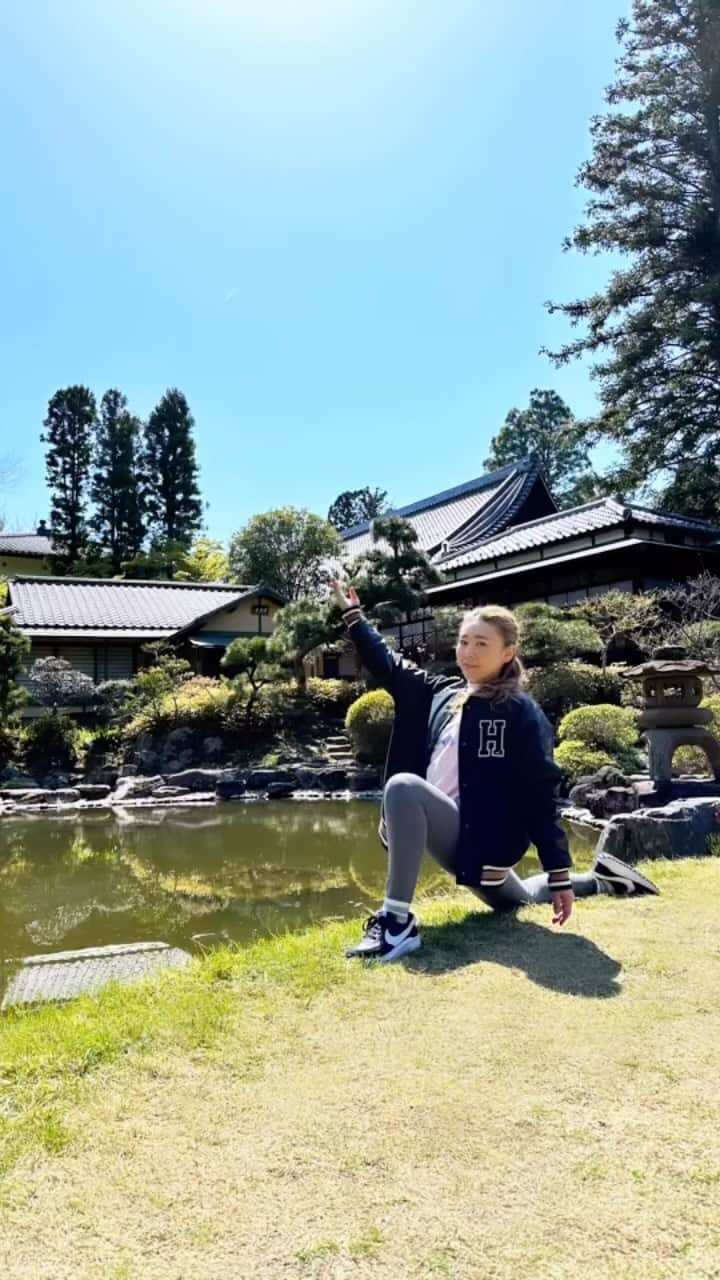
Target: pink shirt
442, 770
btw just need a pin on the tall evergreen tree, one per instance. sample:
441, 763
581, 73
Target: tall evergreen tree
547, 429
174, 508
654, 183
69, 428
355, 506
117, 487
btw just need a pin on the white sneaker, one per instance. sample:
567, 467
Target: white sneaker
387, 938
620, 879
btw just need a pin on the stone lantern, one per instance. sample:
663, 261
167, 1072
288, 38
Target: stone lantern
671, 714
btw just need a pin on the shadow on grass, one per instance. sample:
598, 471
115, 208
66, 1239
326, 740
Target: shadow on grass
564, 962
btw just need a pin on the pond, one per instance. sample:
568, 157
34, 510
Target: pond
241, 871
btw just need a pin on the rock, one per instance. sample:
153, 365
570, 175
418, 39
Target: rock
194, 779
261, 779
677, 830
133, 788
176, 764
46, 795
323, 779
213, 749
611, 776
167, 793
106, 775
367, 779
92, 791
12, 777
129, 771
37, 795
55, 779
276, 790
230, 788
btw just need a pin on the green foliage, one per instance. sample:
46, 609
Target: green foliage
550, 635
174, 509
654, 184
13, 649
331, 696
606, 726
54, 682
114, 699
158, 685
548, 430
356, 506
197, 701
300, 627
10, 743
69, 428
369, 723
51, 742
254, 663
577, 759
562, 686
287, 549
621, 614
206, 561
116, 488
392, 578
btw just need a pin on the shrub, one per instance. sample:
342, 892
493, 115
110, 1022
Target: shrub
113, 698
331, 695
369, 723
564, 685
549, 634
54, 682
576, 759
51, 742
605, 726
199, 702
9, 743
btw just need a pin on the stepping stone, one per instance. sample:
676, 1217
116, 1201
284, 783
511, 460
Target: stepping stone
62, 975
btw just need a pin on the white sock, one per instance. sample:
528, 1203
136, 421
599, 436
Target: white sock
399, 909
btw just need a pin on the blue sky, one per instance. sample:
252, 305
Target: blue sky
331, 223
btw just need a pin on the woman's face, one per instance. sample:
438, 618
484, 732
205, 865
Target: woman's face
482, 652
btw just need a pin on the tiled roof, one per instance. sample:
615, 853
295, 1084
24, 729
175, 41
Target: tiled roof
99, 604
25, 544
602, 513
443, 515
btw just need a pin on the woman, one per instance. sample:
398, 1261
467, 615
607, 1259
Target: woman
470, 776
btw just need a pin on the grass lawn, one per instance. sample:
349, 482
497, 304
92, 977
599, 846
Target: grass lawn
513, 1101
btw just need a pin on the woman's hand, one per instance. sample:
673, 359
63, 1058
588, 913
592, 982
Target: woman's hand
350, 600
562, 905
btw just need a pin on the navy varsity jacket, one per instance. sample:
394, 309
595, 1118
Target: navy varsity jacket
507, 776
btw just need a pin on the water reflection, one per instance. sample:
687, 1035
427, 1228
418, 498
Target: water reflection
242, 871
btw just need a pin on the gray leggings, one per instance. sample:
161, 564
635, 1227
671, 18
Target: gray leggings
418, 817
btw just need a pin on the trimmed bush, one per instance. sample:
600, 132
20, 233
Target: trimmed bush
369, 723
328, 696
577, 759
564, 685
611, 728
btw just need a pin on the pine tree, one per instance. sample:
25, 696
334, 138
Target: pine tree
117, 489
548, 430
654, 182
69, 429
391, 578
174, 508
355, 506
